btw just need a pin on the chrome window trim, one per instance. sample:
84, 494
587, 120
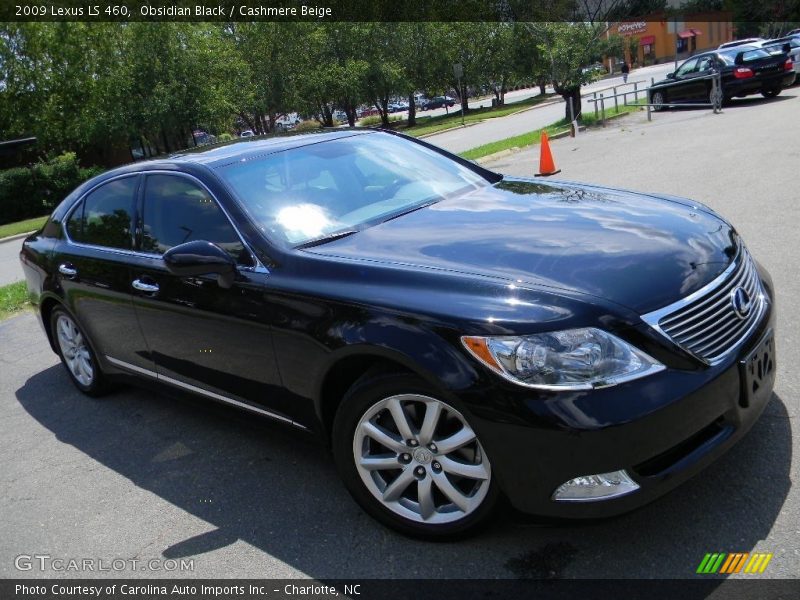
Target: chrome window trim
202, 391
257, 268
653, 318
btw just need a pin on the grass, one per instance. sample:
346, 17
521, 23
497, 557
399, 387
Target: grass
13, 299
427, 125
532, 137
517, 141
21, 226
590, 120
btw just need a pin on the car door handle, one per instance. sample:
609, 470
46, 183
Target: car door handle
67, 270
140, 285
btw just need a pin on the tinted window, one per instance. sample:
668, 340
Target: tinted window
104, 217
176, 210
688, 67
748, 55
318, 189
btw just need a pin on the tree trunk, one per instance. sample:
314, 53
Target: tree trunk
464, 98
542, 83
412, 110
327, 116
384, 111
575, 94
350, 111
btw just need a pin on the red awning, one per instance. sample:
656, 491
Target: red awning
688, 33
647, 40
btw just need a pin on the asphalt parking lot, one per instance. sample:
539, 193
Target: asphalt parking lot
149, 476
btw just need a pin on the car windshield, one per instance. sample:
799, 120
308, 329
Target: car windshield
322, 189
748, 55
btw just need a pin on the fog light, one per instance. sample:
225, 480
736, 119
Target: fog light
595, 487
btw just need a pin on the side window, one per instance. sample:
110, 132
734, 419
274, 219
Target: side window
103, 218
688, 67
177, 210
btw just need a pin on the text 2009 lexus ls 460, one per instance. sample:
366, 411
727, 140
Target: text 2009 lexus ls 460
455, 335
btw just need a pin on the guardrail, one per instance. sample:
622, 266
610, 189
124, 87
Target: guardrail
599, 101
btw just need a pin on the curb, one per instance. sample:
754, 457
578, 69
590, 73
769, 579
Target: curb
427, 135
16, 236
515, 149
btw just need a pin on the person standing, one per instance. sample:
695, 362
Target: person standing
625, 70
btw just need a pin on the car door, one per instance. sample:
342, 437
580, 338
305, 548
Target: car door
687, 87
92, 266
201, 336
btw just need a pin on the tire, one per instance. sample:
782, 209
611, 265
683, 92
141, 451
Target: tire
771, 93
76, 354
657, 100
394, 474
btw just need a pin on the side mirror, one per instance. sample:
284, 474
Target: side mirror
787, 48
739, 58
201, 258
670, 75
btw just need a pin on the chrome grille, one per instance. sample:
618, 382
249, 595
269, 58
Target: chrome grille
706, 323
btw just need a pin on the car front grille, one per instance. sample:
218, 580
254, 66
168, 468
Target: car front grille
706, 323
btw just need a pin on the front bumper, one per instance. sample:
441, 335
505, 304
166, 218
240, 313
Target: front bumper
662, 430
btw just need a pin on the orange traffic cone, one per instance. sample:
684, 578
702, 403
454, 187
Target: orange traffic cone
546, 164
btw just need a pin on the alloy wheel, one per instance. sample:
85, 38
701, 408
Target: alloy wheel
420, 459
658, 100
74, 350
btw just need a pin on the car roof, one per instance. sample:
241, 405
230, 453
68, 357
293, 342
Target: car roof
215, 155
238, 149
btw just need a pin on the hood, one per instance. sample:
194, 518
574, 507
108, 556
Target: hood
636, 250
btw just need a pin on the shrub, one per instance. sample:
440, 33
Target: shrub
374, 120
224, 137
33, 191
307, 125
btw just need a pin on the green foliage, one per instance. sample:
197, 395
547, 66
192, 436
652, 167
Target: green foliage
14, 297
30, 191
375, 120
307, 125
225, 137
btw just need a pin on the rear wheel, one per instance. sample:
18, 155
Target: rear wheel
76, 354
771, 93
411, 460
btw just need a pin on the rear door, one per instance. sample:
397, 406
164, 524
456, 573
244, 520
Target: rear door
202, 337
92, 263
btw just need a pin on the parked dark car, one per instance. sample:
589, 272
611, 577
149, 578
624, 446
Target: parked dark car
438, 102
455, 335
743, 71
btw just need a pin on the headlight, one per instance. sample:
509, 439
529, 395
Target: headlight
575, 359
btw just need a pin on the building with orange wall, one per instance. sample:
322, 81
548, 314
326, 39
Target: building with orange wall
661, 37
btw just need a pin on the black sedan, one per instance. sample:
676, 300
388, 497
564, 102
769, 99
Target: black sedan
742, 71
455, 335
438, 102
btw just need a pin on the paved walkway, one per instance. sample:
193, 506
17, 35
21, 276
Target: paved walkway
10, 268
500, 128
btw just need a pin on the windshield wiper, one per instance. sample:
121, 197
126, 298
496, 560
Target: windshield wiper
327, 238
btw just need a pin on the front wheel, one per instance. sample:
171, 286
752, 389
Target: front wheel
658, 100
771, 93
411, 460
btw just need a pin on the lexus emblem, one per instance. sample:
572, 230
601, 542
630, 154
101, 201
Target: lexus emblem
740, 300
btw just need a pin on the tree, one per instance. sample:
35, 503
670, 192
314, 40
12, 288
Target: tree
568, 47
